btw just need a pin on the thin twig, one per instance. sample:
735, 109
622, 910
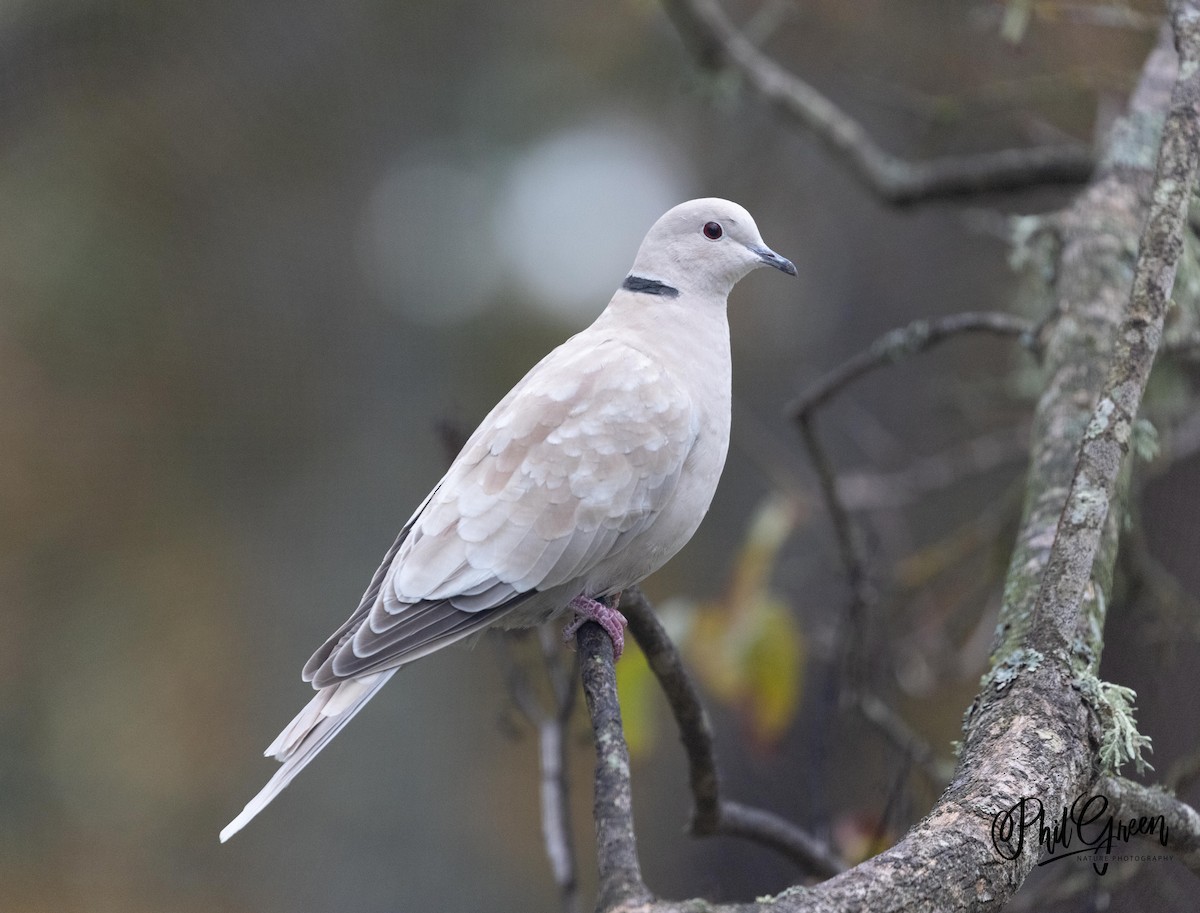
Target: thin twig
891, 347
1175, 613
551, 726
935, 472
552, 751
620, 875
863, 595
904, 341
876, 711
716, 43
695, 730
556, 811
769, 829
712, 815
887, 349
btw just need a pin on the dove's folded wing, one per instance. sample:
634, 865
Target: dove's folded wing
568, 469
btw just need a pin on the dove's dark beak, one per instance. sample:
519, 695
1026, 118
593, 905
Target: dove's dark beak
770, 258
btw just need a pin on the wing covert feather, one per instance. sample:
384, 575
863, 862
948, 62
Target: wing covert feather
592, 439
566, 470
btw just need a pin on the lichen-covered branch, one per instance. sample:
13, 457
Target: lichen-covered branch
716, 42
1056, 624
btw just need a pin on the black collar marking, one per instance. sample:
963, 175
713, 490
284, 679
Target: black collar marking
649, 287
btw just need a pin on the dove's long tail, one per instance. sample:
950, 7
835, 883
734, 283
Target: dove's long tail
321, 719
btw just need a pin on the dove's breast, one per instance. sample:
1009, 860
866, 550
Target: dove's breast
694, 354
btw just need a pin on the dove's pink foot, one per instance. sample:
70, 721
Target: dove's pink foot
612, 621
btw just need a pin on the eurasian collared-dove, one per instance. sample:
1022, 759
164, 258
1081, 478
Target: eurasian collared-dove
588, 476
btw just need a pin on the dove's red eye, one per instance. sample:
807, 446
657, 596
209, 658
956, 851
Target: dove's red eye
713, 230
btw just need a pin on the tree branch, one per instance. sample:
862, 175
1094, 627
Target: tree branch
695, 730
1056, 622
866, 490
1030, 708
877, 712
897, 344
711, 814
1133, 800
863, 596
620, 874
716, 42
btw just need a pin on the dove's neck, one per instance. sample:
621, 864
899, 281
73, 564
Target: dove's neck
678, 323
688, 334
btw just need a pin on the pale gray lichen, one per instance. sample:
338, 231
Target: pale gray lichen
1134, 141
1088, 507
1034, 246
1120, 741
1099, 422
1005, 672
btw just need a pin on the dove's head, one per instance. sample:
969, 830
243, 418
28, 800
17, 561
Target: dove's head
704, 247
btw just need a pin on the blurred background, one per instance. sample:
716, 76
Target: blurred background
253, 255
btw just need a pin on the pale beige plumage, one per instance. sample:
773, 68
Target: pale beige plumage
590, 474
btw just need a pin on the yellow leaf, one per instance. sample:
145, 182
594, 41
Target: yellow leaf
748, 649
772, 673
635, 689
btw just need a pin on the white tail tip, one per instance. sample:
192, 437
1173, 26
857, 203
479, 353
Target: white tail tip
302, 740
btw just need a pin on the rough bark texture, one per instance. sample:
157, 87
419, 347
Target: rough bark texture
1037, 727
616, 844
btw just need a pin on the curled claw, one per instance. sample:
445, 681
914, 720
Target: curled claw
612, 621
